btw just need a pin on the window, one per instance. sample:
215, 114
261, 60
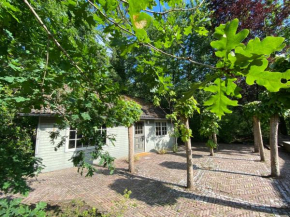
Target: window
75, 138
139, 128
102, 133
161, 128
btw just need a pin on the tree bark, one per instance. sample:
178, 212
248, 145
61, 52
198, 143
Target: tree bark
131, 149
189, 164
275, 169
211, 149
258, 137
255, 132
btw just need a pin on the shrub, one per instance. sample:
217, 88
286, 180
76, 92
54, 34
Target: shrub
162, 151
175, 148
11, 208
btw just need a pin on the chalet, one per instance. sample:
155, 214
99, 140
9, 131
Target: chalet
151, 133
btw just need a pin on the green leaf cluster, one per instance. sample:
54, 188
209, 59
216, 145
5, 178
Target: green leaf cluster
15, 208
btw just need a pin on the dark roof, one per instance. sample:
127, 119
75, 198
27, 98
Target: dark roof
149, 111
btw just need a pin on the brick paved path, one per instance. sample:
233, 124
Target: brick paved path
228, 184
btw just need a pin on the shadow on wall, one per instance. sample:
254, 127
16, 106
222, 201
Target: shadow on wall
160, 142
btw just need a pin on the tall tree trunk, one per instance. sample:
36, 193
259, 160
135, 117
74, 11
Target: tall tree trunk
211, 148
258, 137
189, 164
215, 139
255, 132
275, 169
131, 149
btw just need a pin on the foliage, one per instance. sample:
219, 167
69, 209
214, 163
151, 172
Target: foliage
71, 77
120, 207
261, 17
73, 208
162, 150
175, 148
237, 59
15, 208
235, 127
209, 124
182, 111
254, 108
17, 161
211, 144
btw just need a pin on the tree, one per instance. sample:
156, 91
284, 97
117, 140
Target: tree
261, 17
128, 22
17, 161
209, 128
50, 59
180, 116
254, 110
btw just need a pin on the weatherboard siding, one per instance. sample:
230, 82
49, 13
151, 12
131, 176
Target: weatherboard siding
60, 159
154, 142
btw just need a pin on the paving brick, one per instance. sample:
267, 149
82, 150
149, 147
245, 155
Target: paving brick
228, 184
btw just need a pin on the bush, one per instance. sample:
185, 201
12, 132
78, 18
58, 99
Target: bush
162, 151
17, 160
15, 208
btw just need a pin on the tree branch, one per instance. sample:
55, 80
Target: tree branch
53, 38
47, 58
148, 44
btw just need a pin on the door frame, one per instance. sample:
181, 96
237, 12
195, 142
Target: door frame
144, 122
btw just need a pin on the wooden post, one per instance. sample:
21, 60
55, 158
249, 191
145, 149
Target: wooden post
131, 149
275, 169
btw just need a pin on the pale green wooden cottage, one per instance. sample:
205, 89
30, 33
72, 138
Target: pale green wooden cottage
151, 133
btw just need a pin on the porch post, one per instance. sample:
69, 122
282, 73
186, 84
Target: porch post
131, 149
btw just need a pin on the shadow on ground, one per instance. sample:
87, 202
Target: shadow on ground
157, 192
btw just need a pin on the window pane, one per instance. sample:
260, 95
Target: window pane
79, 136
71, 144
72, 134
79, 144
158, 128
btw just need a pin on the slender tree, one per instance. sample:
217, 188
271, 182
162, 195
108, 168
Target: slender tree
255, 111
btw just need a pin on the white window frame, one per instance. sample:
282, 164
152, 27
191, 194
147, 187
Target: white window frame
67, 149
166, 125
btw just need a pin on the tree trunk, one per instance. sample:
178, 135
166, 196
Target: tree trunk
255, 132
211, 148
131, 149
275, 169
188, 149
258, 137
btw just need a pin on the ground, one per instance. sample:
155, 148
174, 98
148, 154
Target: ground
232, 183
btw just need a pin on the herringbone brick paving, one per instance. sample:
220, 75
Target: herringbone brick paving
232, 183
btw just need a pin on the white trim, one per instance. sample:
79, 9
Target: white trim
37, 138
67, 131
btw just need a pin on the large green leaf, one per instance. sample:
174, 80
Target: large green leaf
227, 38
267, 46
272, 81
218, 103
